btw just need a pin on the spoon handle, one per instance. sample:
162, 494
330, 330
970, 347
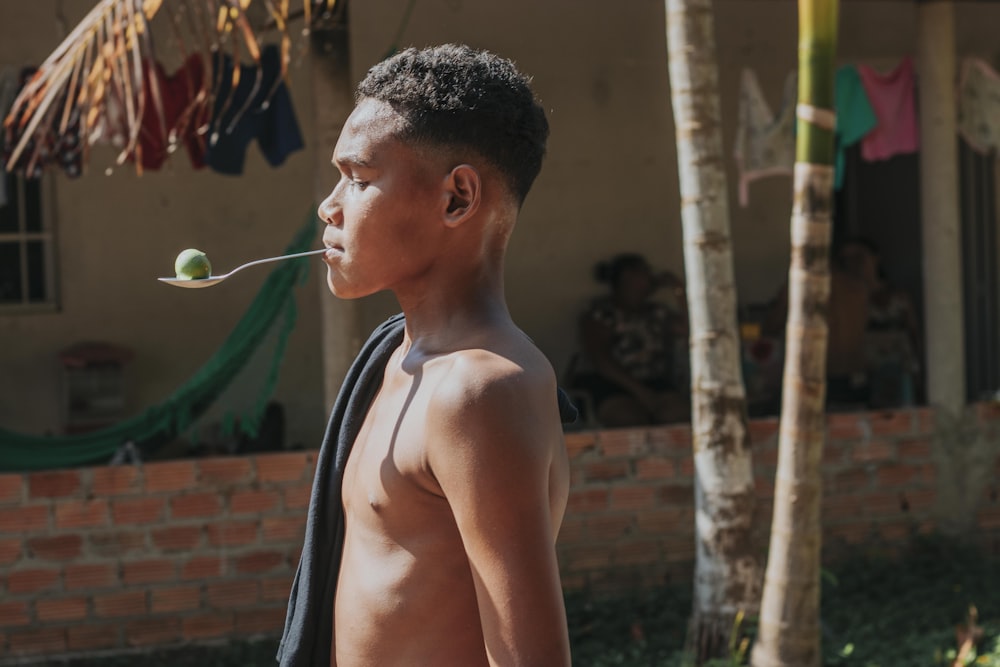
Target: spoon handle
275, 259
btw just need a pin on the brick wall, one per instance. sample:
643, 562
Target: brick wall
115, 558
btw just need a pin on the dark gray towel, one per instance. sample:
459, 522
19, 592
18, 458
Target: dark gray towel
308, 636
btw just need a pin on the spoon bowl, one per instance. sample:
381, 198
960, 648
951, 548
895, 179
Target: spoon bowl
194, 283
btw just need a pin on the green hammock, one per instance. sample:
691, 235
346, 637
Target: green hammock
161, 423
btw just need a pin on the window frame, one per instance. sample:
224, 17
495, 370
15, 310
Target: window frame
47, 235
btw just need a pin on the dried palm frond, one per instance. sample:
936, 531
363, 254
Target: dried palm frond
96, 82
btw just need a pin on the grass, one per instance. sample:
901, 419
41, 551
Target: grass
877, 612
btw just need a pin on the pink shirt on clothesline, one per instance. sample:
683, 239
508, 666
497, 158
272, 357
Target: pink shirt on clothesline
892, 97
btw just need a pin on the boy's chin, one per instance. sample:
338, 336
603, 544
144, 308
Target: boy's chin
345, 290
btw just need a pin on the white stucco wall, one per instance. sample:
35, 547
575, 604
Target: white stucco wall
609, 184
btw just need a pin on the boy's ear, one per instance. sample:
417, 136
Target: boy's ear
463, 192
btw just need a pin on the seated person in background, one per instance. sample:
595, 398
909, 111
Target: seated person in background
847, 317
630, 346
892, 335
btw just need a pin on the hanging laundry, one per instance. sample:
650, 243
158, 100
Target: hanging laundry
979, 106
184, 108
855, 116
765, 142
892, 97
255, 109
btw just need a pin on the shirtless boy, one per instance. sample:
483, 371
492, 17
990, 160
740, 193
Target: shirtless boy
456, 485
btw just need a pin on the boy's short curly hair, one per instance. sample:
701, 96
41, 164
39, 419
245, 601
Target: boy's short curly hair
454, 95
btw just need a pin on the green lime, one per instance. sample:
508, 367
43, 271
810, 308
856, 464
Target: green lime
192, 264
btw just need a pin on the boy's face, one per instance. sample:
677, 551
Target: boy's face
382, 218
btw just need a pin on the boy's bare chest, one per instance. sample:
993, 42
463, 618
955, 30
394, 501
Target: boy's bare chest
386, 479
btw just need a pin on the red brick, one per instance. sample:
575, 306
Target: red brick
834, 453
585, 501
259, 561
766, 457
193, 505
14, 613
883, 503
896, 531
10, 551
115, 481
640, 552
920, 500
205, 626
231, 594
275, 589
763, 486
604, 471
176, 538
873, 450
897, 422
202, 567
37, 640
913, 449
654, 467
676, 495
179, 598
623, 442
848, 481
11, 489
28, 519
633, 497
290, 467
924, 420
841, 507
169, 476
32, 581
56, 547
232, 533
578, 444
282, 529
129, 511
116, 543
90, 576
609, 526
252, 502
92, 637
892, 475
152, 631
260, 621
571, 530
61, 609
147, 571
53, 484
297, 497
590, 557
665, 521
116, 605
679, 438
224, 471
989, 518
763, 430
686, 468
82, 513
845, 426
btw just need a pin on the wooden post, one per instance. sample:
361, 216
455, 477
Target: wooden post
333, 95
939, 206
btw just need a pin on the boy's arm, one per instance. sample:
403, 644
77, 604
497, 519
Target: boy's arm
492, 454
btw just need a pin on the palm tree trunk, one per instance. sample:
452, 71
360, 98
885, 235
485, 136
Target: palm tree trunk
788, 634
727, 573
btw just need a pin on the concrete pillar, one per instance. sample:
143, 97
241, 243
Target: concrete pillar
333, 95
939, 205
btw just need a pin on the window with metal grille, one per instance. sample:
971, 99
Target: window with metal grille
27, 246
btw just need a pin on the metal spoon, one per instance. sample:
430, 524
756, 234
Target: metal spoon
215, 280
